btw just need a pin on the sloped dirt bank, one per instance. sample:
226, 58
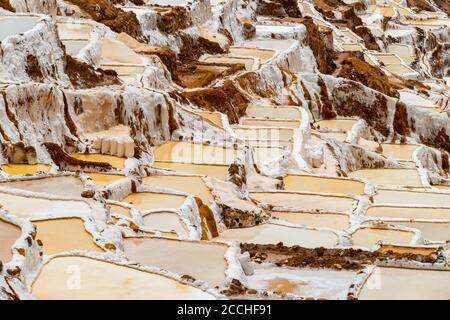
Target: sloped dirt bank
5, 4
82, 75
278, 8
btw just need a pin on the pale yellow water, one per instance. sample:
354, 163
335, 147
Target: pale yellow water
116, 162
408, 212
183, 151
264, 133
248, 62
432, 231
25, 207
165, 221
405, 249
411, 198
67, 30
61, 186
352, 47
338, 124
60, 235
306, 183
116, 52
216, 171
9, 234
402, 284
388, 177
58, 280
285, 113
367, 237
398, 151
189, 184
154, 200
101, 180
200, 260
319, 220
116, 209
272, 234
304, 201
262, 54
270, 123
20, 168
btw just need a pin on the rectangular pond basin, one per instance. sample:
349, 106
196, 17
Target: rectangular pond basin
60, 235
154, 200
379, 211
401, 284
270, 123
276, 134
401, 152
305, 183
407, 249
116, 162
104, 280
431, 231
216, 171
304, 201
116, 209
73, 47
248, 62
405, 197
200, 260
272, 234
264, 155
262, 54
368, 237
193, 185
389, 177
317, 220
187, 152
165, 221
102, 180
115, 52
69, 186
9, 234
71, 30
274, 112
15, 169
15, 24
337, 124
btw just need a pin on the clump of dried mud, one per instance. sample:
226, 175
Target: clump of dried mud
173, 19
199, 74
348, 259
5, 4
278, 8
193, 48
83, 75
367, 36
105, 12
420, 5
33, 69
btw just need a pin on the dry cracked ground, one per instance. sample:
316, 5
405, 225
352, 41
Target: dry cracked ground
224, 149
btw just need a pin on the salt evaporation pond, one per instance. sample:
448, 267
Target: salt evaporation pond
15, 24
74, 31
264, 133
115, 162
165, 221
9, 234
407, 249
62, 186
431, 231
272, 234
153, 200
337, 124
216, 171
102, 180
305, 183
408, 212
284, 113
20, 168
263, 54
270, 123
406, 197
117, 209
200, 260
388, 177
58, 280
401, 152
317, 220
60, 235
406, 284
368, 237
248, 62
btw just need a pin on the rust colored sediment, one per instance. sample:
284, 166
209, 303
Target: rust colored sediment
33, 69
173, 19
5, 4
207, 220
278, 8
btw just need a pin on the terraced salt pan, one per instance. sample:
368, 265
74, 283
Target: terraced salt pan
416, 100
116, 209
403, 51
304, 201
104, 280
407, 249
124, 70
272, 234
337, 124
264, 155
248, 62
182, 151
406, 197
401, 152
74, 31
214, 117
263, 54
270, 44
317, 220
60, 235
283, 113
116, 52
200, 260
190, 184
431, 231
353, 47
399, 69
116, 162
270, 123
165, 221
334, 135
152, 200
306, 283
216, 171
368, 237
305, 183
102, 180
15, 24
275, 134
62, 186
27, 207
388, 177
9, 234
402, 284
408, 212
20, 168
73, 47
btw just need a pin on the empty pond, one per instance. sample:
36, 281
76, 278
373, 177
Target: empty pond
20, 168
153, 200
60, 235
405, 197
116, 162
102, 180
408, 212
104, 280
431, 231
61, 186
200, 260
389, 177
400, 284
9, 234
271, 234
318, 220
15, 24
284, 113
190, 184
71, 31
306, 183
216, 171
337, 124
304, 201
165, 221
368, 237
262, 54
402, 152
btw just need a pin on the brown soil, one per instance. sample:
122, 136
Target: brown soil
326, 105
440, 60
225, 98
192, 48
105, 12
278, 8
401, 83
445, 162
323, 51
348, 259
6, 5
33, 69
367, 36
401, 119
207, 220
200, 74
441, 140
249, 29
354, 68
420, 5
235, 288
135, 2
173, 19
444, 5
82, 75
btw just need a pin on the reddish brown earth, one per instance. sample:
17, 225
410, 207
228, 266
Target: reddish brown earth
278, 8
6, 5
444, 5
367, 36
199, 74
207, 220
83, 75
173, 19
33, 69
348, 259
441, 58
420, 5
